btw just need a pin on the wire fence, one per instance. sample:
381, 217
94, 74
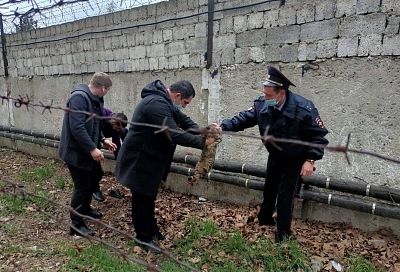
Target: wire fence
25, 101
22, 15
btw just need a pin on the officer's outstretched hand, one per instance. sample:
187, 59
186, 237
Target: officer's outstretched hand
307, 169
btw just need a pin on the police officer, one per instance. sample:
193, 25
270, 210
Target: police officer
282, 114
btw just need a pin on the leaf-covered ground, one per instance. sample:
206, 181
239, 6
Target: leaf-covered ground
212, 236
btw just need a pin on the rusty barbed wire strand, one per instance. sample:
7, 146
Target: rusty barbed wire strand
21, 188
25, 101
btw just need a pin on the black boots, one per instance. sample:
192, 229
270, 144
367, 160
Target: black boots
82, 230
98, 196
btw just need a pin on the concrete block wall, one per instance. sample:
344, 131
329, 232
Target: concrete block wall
356, 44
297, 31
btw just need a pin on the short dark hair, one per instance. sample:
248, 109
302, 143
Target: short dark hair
122, 118
184, 87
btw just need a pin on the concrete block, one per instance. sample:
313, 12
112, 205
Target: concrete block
200, 30
195, 60
144, 38
190, 20
363, 25
367, 6
345, 8
121, 53
240, 23
197, 45
217, 55
305, 14
325, 10
255, 37
175, 48
130, 40
287, 15
283, 53
283, 34
37, 61
271, 18
347, 47
153, 64
327, 48
256, 54
167, 35
38, 70
321, 30
226, 25
183, 32
256, 20
307, 51
391, 6
370, 45
228, 57
155, 50
157, 36
144, 65
137, 52
225, 42
173, 62
107, 45
162, 63
392, 26
391, 45
242, 55
183, 61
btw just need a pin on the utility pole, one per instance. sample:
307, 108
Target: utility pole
3, 46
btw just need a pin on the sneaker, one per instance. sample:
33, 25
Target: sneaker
81, 231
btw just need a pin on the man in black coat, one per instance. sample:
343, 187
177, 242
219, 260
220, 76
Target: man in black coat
145, 157
282, 114
80, 146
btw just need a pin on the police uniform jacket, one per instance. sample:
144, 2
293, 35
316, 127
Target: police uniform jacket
298, 119
145, 156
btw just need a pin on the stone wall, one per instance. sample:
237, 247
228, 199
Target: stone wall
353, 46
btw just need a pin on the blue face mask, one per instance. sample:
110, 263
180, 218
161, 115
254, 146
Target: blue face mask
271, 103
178, 106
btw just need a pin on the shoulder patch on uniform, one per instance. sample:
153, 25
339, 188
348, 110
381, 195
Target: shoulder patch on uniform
319, 122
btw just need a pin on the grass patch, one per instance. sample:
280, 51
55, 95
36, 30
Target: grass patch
41, 200
360, 264
61, 182
206, 247
38, 175
10, 228
98, 258
12, 204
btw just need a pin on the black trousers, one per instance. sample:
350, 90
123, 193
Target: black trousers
280, 188
143, 218
85, 183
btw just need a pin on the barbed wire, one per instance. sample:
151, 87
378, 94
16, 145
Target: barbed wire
52, 12
134, 260
25, 101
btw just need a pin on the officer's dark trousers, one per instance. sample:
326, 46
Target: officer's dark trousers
280, 187
143, 218
85, 183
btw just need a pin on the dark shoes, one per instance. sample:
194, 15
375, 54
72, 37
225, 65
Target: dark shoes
158, 236
151, 246
81, 231
98, 196
265, 220
115, 193
279, 237
95, 214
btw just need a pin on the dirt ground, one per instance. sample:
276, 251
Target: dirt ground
31, 241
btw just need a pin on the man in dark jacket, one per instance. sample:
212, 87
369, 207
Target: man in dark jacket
282, 114
145, 156
80, 146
